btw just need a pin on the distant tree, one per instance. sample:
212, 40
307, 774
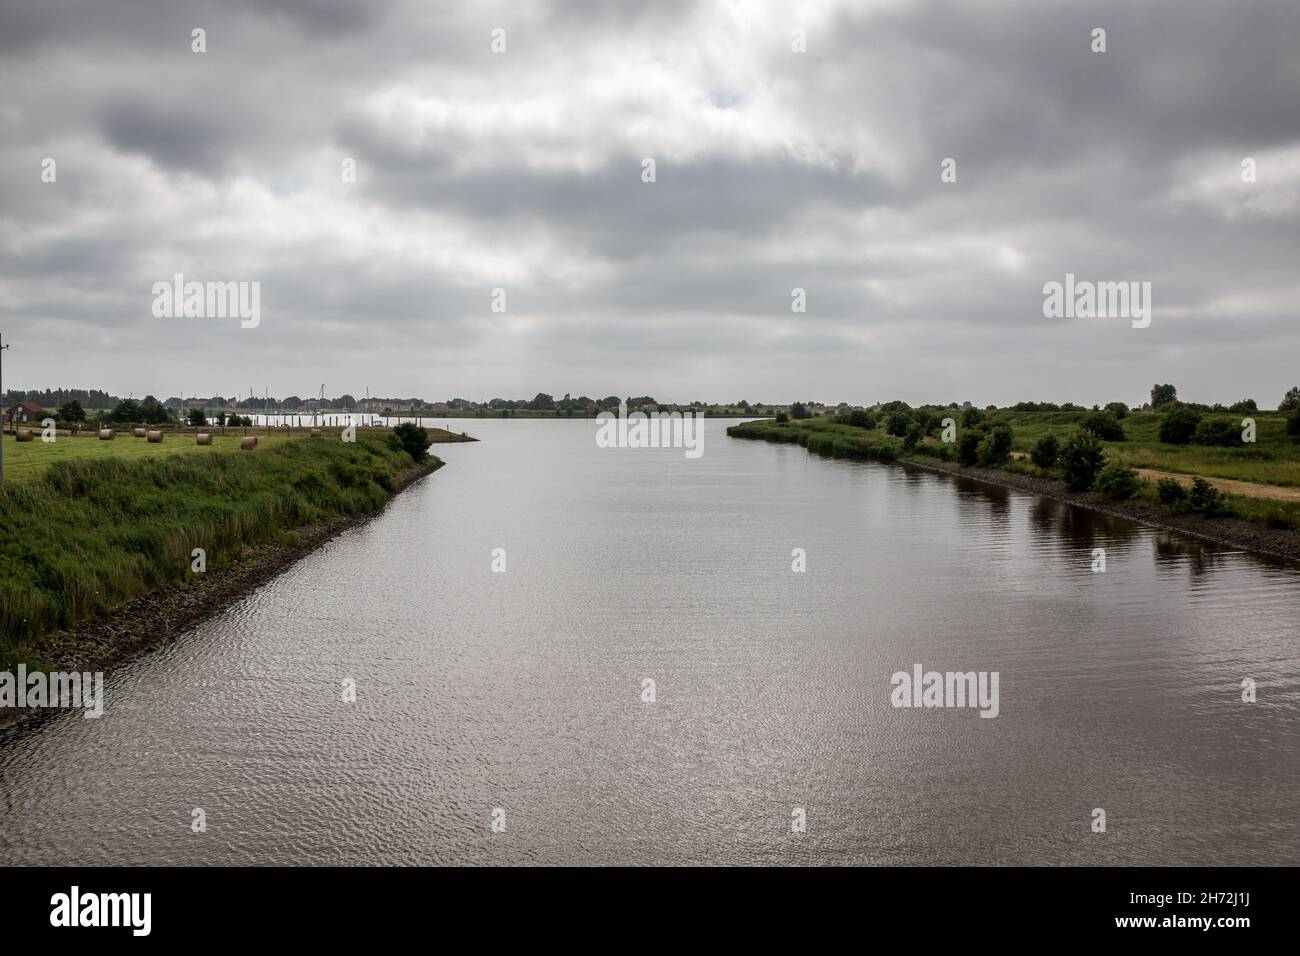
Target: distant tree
412, 439
344, 401
1179, 425
799, 410
293, 401
1163, 395
912, 437
1104, 425
1045, 450
782, 417
1293, 423
1082, 457
859, 418
995, 448
1118, 409
72, 411
968, 444
971, 417
1290, 400
221, 417
896, 423
127, 410
1223, 432
542, 402
1245, 406
197, 418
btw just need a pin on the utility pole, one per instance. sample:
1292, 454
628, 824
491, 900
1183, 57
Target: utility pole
2, 398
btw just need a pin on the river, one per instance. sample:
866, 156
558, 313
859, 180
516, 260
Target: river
517, 695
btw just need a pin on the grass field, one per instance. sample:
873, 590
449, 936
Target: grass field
26, 460
89, 532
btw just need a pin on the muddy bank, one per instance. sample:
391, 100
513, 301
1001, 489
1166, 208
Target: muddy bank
166, 613
1279, 543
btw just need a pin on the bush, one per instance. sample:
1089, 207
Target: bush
1118, 482
861, 419
1118, 409
897, 422
1104, 425
1179, 425
1171, 493
1045, 450
1217, 431
1245, 406
1081, 458
782, 418
1205, 499
995, 448
1293, 425
799, 411
968, 443
971, 418
913, 436
197, 418
412, 439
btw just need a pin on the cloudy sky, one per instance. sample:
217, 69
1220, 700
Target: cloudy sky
774, 169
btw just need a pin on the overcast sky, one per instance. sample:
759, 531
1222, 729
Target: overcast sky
775, 170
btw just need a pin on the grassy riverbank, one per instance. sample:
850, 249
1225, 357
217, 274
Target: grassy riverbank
86, 535
1253, 483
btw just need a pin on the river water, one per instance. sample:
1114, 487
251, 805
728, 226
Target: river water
521, 691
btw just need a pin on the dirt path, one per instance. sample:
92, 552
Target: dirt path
1251, 489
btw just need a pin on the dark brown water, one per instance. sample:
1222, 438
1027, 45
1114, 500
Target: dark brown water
522, 690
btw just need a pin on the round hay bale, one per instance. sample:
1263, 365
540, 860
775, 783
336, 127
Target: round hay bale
315, 433
23, 434
106, 434
203, 438
139, 432
248, 443
155, 437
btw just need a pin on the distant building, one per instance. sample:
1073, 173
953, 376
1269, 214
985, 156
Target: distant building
23, 412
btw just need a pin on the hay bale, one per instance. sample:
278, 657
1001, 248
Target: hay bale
248, 443
23, 434
315, 433
139, 432
203, 438
106, 434
155, 437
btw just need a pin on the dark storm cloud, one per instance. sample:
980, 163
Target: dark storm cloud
774, 170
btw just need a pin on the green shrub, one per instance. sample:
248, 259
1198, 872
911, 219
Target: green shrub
412, 439
1118, 409
782, 418
1205, 499
1171, 493
860, 418
1217, 431
1179, 425
1104, 425
897, 422
912, 438
968, 443
1118, 482
995, 448
1293, 425
1045, 450
1081, 458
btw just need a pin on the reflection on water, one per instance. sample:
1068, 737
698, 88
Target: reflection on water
522, 690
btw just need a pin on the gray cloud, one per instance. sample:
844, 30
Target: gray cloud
775, 170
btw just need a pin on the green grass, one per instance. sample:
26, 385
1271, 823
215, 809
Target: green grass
1274, 459
26, 460
89, 533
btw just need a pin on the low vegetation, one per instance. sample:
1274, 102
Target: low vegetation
88, 534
